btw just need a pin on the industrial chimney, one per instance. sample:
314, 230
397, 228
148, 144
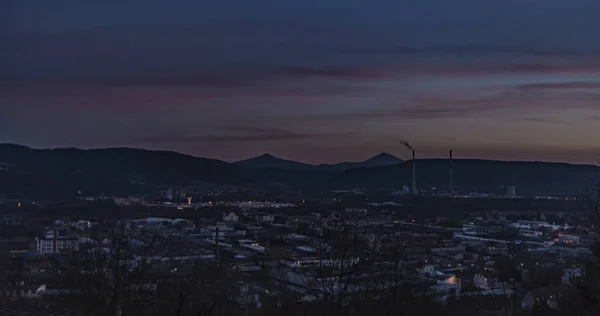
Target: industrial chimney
414, 182
407, 145
217, 250
451, 187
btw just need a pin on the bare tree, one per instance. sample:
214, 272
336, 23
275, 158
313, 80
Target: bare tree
589, 286
336, 273
202, 288
589, 204
112, 272
390, 292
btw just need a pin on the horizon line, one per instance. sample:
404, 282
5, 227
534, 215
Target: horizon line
427, 157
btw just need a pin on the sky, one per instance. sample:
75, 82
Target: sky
314, 81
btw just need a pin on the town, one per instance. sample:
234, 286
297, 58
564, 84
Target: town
335, 253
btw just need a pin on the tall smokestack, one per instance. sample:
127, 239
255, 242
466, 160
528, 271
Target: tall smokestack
218, 251
414, 182
407, 145
451, 188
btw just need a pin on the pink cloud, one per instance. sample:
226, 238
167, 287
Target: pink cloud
239, 134
101, 96
336, 72
165, 87
558, 86
551, 120
491, 67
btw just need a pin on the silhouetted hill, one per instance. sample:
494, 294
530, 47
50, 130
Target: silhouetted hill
63, 172
270, 161
59, 173
471, 175
267, 161
382, 159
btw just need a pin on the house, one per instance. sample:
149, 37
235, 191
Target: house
568, 240
495, 302
497, 248
35, 262
14, 245
363, 211
373, 241
264, 218
447, 247
224, 231
531, 233
19, 289
36, 312
571, 274
127, 201
309, 218
544, 297
485, 280
81, 224
231, 217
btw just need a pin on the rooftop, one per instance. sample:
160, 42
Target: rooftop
35, 312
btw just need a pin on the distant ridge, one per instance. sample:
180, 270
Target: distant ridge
381, 159
270, 161
477, 175
61, 173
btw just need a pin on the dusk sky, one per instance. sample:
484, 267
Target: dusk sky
311, 80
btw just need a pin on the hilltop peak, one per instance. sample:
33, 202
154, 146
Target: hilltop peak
267, 160
266, 155
383, 155
384, 159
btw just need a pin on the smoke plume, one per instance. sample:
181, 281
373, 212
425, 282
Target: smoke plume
406, 144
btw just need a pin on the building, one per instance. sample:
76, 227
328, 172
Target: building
127, 201
531, 233
224, 231
56, 245
485, 280
33, 311
309, 218
568, 240
543, 297
571, 274
231, 217
530, 225
21, 290
307, 262
168, 194
356, 210
510, 191
480, 230
81, 224
264, 218
14, 245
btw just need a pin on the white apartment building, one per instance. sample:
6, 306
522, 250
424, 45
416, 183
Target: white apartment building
56, 245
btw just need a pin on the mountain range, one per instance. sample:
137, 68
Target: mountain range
54, 173
270, 161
